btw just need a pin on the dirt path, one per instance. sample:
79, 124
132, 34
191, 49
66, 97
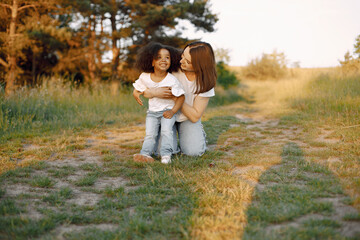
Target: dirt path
270, 132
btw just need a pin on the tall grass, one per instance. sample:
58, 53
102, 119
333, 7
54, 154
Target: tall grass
332, 97
332, 102
57, 105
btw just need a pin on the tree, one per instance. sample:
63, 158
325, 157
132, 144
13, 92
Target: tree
71, 37
222, 55
357, 47
20, 15
83, 52
120, 29
157, 20
351, 63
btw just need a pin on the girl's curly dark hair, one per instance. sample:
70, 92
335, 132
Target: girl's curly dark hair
149, 52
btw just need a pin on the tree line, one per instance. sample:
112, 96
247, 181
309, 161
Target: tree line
88, 40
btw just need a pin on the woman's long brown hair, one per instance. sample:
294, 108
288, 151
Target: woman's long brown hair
203, 62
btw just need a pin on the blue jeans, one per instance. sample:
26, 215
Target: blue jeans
154, 122
192, 138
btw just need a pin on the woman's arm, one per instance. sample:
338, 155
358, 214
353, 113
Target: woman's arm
162, 92
178, 103
195, 112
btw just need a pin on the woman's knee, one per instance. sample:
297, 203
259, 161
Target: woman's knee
192, 151
192, 138
192, 148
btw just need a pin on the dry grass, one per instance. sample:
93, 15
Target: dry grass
242, 155
272, 96
225, 193
221, 206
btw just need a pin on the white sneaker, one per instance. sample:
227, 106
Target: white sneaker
166, 159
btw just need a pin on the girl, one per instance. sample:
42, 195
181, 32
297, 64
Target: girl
198, 77
156, 61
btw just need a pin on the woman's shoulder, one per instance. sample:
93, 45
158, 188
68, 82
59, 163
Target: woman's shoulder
209, 93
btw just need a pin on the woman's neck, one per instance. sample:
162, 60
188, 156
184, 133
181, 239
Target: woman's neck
191, 76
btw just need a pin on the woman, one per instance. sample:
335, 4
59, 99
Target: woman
198, 77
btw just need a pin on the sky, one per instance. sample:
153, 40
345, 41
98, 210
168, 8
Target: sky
314, 33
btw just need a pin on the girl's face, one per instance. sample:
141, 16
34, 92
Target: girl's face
185, 61
161, 62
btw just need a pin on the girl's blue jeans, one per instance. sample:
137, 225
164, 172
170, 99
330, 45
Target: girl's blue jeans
154, 122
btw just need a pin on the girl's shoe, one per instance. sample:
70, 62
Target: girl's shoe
142, 158
166, 159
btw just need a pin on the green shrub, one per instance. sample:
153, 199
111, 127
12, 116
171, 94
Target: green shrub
226, 78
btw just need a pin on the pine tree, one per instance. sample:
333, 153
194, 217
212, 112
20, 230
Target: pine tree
71, 37
21, 18
157, 20
357, 46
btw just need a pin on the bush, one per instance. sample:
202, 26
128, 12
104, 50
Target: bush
226, 78
350, 64
268, 66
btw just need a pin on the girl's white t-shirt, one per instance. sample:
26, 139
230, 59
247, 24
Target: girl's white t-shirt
159, 104
189, 88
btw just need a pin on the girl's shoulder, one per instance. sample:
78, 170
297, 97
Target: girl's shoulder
144, 75
171, 78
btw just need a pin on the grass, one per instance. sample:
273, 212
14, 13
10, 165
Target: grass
42, 182
57, 106
152, 197
296, 190
145, 211
333, 102
59, 197
254, 184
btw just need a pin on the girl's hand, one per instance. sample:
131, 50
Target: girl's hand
168, 114
136, 95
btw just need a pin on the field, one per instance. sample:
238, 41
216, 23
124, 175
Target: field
283, 163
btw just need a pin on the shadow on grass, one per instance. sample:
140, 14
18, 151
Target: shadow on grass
297, 200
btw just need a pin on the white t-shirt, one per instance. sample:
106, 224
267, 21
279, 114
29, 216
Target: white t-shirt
159, 104
190, 88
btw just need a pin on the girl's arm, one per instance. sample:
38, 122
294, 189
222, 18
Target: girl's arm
195, 112
136, 95
178, 103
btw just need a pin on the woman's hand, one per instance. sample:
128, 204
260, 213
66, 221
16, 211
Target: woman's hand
136, 95
162, 92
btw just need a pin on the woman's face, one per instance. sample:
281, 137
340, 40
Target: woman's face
185, 61
162, 61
